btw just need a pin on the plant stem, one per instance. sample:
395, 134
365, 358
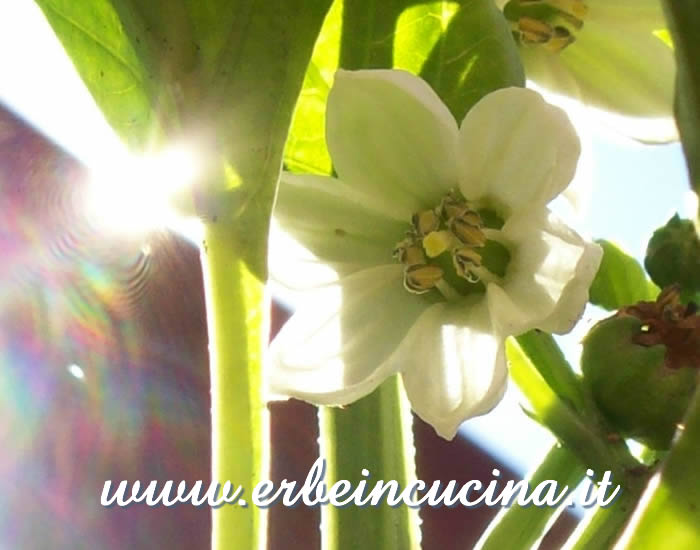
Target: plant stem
583, 435
603, 527
236, 309
669, 515
524, 526
373, 433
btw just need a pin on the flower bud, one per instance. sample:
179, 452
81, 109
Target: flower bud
673, 255
641, 367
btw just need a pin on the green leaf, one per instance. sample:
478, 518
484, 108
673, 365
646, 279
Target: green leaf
670, 513
112, 65
225, 74
475, 56
683, 17
673, 256
463, 49
620, 280
306, 150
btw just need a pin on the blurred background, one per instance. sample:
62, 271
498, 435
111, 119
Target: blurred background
103, 347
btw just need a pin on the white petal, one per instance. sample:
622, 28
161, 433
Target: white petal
390, 136
547, 282
570, 306
453, 366
337, 225
622, 14
336, 349
624, 70
516, 150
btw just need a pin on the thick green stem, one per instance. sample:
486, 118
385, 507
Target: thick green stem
522, 527
583, 436
236, 309
373, 433
669, 513
603, 527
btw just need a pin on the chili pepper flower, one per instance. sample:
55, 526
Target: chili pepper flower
611, 54
441, 241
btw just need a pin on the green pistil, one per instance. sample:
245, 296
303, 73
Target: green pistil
447, 250
495, 257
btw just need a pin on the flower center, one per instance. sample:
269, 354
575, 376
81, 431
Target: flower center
552, 24
451, 248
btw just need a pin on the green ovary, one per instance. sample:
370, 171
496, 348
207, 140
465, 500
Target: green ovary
446, 249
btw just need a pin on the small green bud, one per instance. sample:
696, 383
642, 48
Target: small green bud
641, 367
673, 256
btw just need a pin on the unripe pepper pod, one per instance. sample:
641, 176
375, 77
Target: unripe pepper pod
641, 366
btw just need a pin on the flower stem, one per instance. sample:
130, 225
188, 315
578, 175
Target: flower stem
373, 433
236, 308
669, 513
603, 526
584, 436
528, 524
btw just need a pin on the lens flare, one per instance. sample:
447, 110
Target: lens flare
133, 195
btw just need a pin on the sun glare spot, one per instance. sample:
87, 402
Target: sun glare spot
134, 194
76, 371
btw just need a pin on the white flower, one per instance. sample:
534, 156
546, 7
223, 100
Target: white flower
610, 54
403, 166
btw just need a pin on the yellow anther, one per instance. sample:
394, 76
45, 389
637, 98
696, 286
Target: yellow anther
534, 31
426, 221
409, 252
560, 40
419, 279
469, 234
466, 260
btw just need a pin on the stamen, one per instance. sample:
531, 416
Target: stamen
419, 279
551, 23
425, 222
466, 262
560, 40
439, 251
451, 206
534, 31
469, 234
409, 252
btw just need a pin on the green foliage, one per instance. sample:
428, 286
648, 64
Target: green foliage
670, 515
464, 50
620, 280
112, 65
673, 256
683, 18
476, 55
223, 74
